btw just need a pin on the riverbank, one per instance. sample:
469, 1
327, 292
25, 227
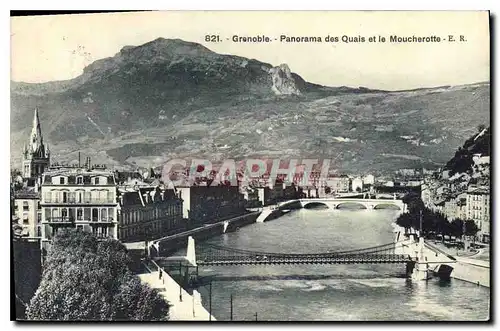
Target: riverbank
467, 269
170, 244
183, 305
472, 271
178, 241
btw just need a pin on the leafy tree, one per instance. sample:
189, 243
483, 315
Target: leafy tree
457, 227
404, 221
87, 279
471, 228
414, 202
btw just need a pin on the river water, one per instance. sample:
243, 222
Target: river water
331, 292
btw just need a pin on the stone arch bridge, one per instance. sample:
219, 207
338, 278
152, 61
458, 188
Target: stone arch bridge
336, 203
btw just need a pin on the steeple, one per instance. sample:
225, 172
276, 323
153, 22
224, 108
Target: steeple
36, 139
36, 156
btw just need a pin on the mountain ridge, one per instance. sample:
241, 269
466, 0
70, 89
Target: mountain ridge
188, 100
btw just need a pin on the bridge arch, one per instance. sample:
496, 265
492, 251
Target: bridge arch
350, 205
387, 206
316, 205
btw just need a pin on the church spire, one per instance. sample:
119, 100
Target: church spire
36, 139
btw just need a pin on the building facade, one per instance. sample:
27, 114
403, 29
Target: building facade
82, 198
369, 180
338, 184
357, 185
149, 213
207, 204
28, 211
478, 209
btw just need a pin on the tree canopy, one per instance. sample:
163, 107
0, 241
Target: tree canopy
433, 222
86, 279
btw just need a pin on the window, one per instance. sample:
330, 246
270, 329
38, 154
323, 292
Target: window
96, 181
79, 196
86, 214
104, 214
79, 180
103, 195
61, 180
26, 207
95, 214
64, 213
79, 214
87, 197
65, 197
38, 217
38, 231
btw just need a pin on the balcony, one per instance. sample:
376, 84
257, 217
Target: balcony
78, 202
59, 220
79, 219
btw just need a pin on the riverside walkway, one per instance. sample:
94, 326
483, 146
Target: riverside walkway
183, 306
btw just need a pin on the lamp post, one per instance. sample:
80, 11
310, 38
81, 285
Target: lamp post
231, 316
180, 281
210, 302
255, 316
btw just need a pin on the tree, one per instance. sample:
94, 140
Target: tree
457, 227
471, 228
87, 279
404, 221
414, 202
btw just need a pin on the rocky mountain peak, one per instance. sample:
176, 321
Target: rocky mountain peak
283, 81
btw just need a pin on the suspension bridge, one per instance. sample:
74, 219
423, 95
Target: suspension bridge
215, 255
221, 255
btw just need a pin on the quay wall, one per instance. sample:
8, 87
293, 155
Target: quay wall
472, 273
173, 243
465, 269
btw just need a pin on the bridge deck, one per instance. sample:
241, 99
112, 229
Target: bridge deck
375, 259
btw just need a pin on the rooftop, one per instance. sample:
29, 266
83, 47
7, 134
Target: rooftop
26, 193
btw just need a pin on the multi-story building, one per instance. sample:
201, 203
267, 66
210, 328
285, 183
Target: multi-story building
357, 184
478, 209
83, 198
338, 184
202, 204
369, 180
461, 202
148, 213
450, 209
28, 211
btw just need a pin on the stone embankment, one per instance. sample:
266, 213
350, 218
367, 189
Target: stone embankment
464, 268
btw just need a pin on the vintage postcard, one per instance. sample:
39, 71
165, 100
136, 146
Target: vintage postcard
251, 166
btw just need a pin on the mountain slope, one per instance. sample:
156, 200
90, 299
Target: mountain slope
171, 98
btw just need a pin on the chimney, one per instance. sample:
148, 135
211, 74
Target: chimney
79, 164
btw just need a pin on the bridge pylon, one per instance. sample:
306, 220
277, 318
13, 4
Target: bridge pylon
191, 252
421, 270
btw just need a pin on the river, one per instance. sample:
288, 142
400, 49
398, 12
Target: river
331, 292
